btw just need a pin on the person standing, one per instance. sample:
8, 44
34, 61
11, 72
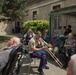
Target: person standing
67, 30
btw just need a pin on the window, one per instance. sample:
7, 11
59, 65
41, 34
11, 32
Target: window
56, 18
57, 22
56, 7
17, 27
34, 15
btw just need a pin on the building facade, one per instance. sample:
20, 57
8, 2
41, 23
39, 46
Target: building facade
40, 9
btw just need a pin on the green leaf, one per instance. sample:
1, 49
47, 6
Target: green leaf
36, 25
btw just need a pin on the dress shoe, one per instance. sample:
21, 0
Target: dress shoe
47, 67
41, 72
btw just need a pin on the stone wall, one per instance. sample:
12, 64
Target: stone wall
6, 27
68, 3
43, 8
3, 28
72, 21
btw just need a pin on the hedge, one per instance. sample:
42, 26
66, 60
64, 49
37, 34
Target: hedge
35, 25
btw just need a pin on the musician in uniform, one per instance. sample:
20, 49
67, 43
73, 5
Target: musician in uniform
35, 44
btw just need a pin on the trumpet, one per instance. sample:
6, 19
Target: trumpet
51, 53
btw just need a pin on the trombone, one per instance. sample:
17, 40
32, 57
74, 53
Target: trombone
52, 54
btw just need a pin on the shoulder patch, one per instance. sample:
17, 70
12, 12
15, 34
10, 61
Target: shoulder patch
33, 43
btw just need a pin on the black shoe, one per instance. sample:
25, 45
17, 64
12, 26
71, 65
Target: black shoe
47, 67
26, 52
65, 66
41, 72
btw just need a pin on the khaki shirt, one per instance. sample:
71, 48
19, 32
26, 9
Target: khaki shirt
33, 43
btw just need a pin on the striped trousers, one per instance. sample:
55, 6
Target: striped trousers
42, 55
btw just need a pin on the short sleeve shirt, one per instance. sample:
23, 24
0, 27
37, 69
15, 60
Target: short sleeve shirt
34, 43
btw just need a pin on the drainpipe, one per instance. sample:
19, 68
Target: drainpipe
50, 28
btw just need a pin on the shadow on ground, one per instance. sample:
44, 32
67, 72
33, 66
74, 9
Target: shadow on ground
33, 67
25, 68
54, 62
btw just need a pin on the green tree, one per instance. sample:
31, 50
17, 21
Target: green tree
1, 4
14, 9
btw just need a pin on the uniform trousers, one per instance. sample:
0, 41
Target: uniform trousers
42, 55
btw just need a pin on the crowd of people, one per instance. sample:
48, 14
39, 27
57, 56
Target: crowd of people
66, 51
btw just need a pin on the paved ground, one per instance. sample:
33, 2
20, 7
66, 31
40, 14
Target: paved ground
53, 68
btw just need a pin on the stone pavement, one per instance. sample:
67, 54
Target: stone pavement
53, 68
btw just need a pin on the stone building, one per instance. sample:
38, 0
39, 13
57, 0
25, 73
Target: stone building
5, 26
62, 13
10, 27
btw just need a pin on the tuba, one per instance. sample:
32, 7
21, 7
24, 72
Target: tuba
51, 53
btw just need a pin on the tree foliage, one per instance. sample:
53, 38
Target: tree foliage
1, 4
14, 9
35, 25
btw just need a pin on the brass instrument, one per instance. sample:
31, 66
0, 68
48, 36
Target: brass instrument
51, 53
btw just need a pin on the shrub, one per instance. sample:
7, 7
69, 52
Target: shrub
35, 25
